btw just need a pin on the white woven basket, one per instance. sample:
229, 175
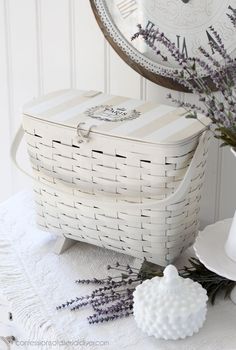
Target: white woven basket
96, 182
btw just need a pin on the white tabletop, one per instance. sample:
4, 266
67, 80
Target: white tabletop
35, 280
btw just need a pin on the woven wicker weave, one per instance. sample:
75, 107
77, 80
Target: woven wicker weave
109, 191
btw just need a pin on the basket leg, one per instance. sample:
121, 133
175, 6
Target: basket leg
62, 244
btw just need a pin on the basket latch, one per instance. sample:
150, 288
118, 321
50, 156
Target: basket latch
83, 136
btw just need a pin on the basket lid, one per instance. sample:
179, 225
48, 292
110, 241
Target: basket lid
118, 116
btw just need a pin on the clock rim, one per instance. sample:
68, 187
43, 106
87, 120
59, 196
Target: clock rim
153, 77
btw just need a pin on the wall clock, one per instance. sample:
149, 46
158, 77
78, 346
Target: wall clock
185, 22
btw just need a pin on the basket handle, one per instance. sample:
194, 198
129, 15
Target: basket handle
172, 198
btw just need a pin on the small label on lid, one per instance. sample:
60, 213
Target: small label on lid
111, 113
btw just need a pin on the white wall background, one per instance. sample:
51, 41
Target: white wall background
52, 44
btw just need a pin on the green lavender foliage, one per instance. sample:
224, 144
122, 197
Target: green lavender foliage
213, 283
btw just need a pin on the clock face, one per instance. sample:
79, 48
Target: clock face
184, 22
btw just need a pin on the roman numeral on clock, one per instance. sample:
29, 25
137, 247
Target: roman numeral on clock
127, 7
182, 46
150, 25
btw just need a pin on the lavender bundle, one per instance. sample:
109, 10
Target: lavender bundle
219, 108
114, 297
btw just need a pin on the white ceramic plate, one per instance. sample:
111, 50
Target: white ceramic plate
210, 249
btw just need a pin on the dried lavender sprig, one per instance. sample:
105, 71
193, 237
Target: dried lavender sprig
232, 18
126, 266
104, 281
120, 269
100, 291
86, 300
192, 110
232, 15
113, 311
188, 106
92, 281
72, 301
209, 57
221, 73
213, 73
219, 46
120, 305
83, 298
117, 295
102, 299
81, 305
98, 300
108, 280
96, 293
109, 318
123, 268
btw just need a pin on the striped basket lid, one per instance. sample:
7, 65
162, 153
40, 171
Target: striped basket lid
118, 116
